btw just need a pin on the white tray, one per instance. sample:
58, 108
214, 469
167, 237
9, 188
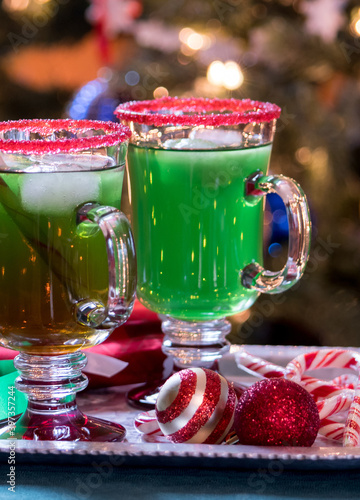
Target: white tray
110, 404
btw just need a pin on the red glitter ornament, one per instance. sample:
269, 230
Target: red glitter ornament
190, 111
276, 412
196, 405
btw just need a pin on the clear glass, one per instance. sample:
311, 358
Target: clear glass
197, 194
72, 278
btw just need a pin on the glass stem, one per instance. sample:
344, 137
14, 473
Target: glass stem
51, 381
195, 343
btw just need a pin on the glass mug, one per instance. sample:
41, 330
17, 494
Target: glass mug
67, 267
198, 177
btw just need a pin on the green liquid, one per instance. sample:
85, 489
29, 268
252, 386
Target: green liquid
48, 262
194, 231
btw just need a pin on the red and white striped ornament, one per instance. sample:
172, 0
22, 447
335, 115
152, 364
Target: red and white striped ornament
196, 405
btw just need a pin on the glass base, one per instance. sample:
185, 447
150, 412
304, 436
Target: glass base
144, 397
72, 425
51, 384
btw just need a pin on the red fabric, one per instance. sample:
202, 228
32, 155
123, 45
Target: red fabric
137, 342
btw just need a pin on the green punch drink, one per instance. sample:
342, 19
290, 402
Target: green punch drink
195, 229
198, 175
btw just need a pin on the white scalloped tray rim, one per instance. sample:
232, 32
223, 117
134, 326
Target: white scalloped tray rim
184, 450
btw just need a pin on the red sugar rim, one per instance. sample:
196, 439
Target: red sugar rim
114, 133
204, 111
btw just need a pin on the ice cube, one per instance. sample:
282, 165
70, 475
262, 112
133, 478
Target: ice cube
189, 143
218, 137
58, 193
69, 162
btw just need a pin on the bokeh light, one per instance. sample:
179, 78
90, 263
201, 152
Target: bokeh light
132, 78
160, 92
233, 77
355, 22
184, 34
193, 41
215, 73
228, 74
15, 5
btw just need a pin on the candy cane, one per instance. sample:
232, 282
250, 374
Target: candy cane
333, 358
323, 358
332, 429
258, 366
352, 426
320, 388
147, 423
336, 404
347, 381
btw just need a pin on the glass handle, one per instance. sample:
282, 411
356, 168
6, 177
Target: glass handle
122, 268
254, 276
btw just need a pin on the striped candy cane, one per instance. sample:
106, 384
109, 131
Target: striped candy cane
346, 381
147, 423
336, 404
320, 389
258, 366
331, 429
323, 358
333, 358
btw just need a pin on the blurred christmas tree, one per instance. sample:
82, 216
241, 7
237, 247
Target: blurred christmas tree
81, 58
